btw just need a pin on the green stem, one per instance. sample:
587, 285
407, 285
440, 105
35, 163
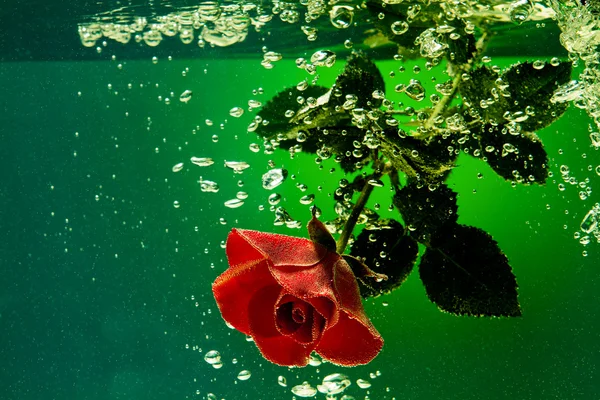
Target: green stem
440, 107
353, 218
342, 242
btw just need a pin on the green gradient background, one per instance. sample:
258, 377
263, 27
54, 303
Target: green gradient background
101, 297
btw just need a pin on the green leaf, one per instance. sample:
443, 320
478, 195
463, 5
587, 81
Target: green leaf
390, 26
481, 88
274, 113
460, 51
339, 141
326, 127
520, 157
388, 251
465, 273
425, 210
427, 160
531, 90
360, 78
520, 96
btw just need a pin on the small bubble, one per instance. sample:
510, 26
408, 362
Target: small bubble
274, 199
177, 167
282, 381
363, 384
244, 375
236, 112
399, 27
234, 203
539, 64
185, 96
255, 148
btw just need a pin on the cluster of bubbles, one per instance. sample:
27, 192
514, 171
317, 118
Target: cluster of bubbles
589, 226
215, 23
225, 24
580, 35
331, 385
210, 22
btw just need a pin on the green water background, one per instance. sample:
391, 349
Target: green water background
101, 297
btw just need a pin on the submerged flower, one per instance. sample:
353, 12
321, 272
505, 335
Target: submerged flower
295, 296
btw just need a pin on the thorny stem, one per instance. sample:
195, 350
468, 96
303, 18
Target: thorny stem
342, 242
440, 107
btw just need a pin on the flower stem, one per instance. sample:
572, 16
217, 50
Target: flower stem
342, 242
445, 101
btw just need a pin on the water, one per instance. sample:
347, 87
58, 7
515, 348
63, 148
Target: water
114, 214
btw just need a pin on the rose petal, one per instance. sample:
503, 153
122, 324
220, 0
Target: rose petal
299, 320
346, 287
327, 309
350, 342
275, 347
353, 340
306, 281
284, 250
248, 273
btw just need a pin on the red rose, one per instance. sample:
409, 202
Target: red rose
295, 296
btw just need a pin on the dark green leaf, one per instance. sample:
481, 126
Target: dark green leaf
326, 129
360, 78
460, 51
520, 158
465, 273
480, 88
531, 89
521, 95
388, 251
274, 112
424, 210
389, 32
427, 160
339, 140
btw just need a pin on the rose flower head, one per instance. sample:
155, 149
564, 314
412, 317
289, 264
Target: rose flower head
295, 296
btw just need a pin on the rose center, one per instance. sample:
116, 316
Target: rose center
298, 315
292, 315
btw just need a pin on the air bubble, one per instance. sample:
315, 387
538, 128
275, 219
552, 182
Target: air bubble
234, 203
212, 357
202, 161
308, 199
236, 112
304, 390
415, 90
244, 375
185, 96
274, 199
281, 381
273, 178
334, 384
363, 384
399, 27
324, 58
341, 16
208, 186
